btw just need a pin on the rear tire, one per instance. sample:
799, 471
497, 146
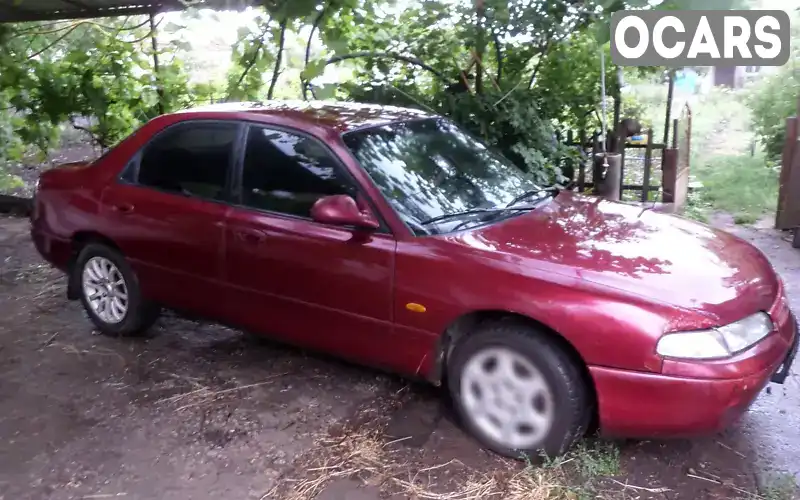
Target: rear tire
517, 391
110, 293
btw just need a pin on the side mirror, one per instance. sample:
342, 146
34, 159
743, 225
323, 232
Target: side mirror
341, 210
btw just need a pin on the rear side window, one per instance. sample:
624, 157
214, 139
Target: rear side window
190, 159
288, 173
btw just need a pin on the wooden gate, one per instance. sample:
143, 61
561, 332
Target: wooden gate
787, 215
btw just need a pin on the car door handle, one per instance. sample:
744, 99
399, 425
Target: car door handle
122, 208
248, 235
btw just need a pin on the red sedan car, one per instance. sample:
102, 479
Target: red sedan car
395, 239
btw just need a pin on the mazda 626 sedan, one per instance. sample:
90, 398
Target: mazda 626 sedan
395, 239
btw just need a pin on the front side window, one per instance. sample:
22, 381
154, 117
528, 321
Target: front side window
431, 169
190, 159
288, 173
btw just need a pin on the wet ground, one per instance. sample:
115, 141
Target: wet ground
198, 411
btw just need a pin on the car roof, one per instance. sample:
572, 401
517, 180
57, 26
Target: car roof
337, 115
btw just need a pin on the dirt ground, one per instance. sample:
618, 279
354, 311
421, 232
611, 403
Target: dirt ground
198, 411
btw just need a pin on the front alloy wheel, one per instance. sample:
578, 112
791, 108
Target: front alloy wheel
507, 397
518, 389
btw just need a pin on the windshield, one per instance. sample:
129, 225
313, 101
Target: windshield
429, 169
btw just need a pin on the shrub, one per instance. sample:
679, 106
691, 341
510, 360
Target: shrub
772, 101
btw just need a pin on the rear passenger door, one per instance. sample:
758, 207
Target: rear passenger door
167, 212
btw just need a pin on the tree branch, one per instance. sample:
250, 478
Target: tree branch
480, 13
52, 44
498, 54
255, 54
388, 55
314, 28
149, 34
94, 137
102, 27
542, 55
278, 59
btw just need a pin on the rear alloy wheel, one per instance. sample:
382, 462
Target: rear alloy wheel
517, 391
110, 292
105, 290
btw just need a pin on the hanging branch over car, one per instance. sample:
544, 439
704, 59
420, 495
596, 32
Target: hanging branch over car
314, 28
276, 71
256, 52
388, 55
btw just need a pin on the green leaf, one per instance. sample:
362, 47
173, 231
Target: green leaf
173, 27
313, 70
182, 45
326, 92
339, 46
296, 9
242, 32
382, 35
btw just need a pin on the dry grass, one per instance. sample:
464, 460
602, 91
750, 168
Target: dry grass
364, 455
205, 394
360, 454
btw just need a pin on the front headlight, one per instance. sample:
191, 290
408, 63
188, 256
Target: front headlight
719, 342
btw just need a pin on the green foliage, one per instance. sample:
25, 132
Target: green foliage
103, 73
600, 458
528, 66
523, 67
772, 101
779, 486
775, 98
743, 186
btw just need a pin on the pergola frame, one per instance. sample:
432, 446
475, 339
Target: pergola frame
13, 11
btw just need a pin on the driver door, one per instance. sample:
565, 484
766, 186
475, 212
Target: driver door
321, 286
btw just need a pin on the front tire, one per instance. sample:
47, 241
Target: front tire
110, 293
517, 391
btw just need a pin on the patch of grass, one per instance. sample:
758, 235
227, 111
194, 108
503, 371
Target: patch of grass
599, 459
695, 208
744, 186
780, 487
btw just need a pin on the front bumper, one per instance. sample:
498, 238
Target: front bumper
779, 377
697, 398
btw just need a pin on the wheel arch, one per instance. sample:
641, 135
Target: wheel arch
468, 322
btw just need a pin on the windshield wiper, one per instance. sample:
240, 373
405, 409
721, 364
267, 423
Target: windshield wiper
552, 191
470, 212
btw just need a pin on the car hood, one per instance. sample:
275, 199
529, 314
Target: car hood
655, 256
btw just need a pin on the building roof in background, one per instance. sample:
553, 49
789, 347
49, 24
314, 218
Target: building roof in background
52, 10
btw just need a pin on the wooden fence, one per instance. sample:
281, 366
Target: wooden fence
672, 160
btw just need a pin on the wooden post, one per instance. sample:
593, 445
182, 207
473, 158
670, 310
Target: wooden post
570, 163
788, 215
668, 114
648, 160
597, 173
582, 166
789, 150
674, 136
610, 188
669, 178
156, 66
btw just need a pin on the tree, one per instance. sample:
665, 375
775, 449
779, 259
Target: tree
99, 77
